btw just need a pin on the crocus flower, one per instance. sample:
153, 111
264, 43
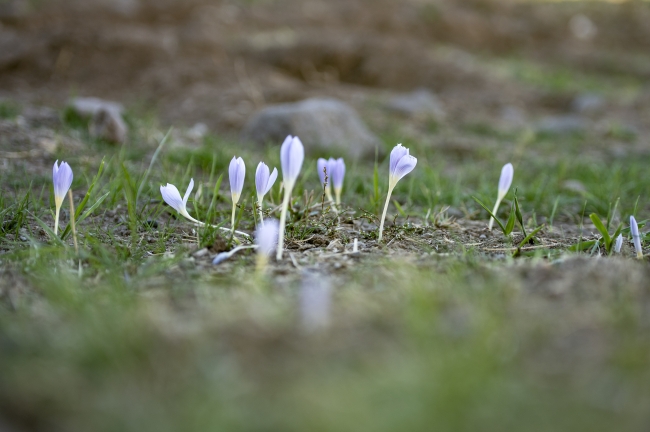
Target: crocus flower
266, 239
618, 244
636, 237
263, 183
292, 154
62, 179
236, 173
337, 168
401, 163
507, 172
172, 197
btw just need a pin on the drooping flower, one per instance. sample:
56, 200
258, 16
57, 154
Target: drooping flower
236, 174
505, 181
263, 183
172, 197
266, 239
636, 237
401, 163
62, 178
618, 244
292, 154
337, 167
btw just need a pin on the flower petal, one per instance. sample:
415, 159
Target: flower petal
266, 236
187, 192
321, 165
396, 154
62, 179
505, 181
172, 196
404, 166
261, 178
237, 173
292, 155
271, 182
338, 173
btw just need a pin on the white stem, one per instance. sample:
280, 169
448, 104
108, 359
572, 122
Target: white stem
494, 212
232, 224
186, 215
56, 219
383, 216
283, 220
328, 194
259, 203
337, 192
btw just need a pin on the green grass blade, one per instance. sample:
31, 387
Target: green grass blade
510, 225
503, 228
601, 228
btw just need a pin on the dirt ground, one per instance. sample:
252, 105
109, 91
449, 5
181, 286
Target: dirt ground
217, 62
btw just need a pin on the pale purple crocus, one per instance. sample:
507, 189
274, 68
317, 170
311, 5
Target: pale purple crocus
401, 163
337, 168
292, 155
172, 197
505, 181
618, 244
236, 174
62, 179
636, 237
264, 180
266, 239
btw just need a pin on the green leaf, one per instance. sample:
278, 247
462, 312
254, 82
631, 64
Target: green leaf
520, 217
582, 246
530, 236
616, 234
510, 225
399, 208
49, 231
601, 228
490, 213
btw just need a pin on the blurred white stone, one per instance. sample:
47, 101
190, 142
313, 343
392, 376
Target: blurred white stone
107, 124
315, 302
198, 131
582, 27
420, 103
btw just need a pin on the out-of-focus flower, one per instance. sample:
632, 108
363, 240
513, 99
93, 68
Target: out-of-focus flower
62, 179
618, 244
337, 167
401, 163
292, 155
237, 174
266, 239
636, 237
264, 181
505, 181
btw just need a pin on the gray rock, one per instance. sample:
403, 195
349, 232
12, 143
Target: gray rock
88, 107
41, 117
106, 120
588, 103
107, 124
420, 103
562, 124
326, 124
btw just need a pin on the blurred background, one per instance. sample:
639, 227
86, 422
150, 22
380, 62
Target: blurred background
555, 66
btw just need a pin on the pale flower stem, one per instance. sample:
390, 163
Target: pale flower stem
234, 207
383, 216
494, 212
283, 220
261, 263
259, 203
56, 220
337, 192
72, 223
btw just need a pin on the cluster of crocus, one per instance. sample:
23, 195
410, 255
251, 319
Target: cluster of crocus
331, 172
237, 174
